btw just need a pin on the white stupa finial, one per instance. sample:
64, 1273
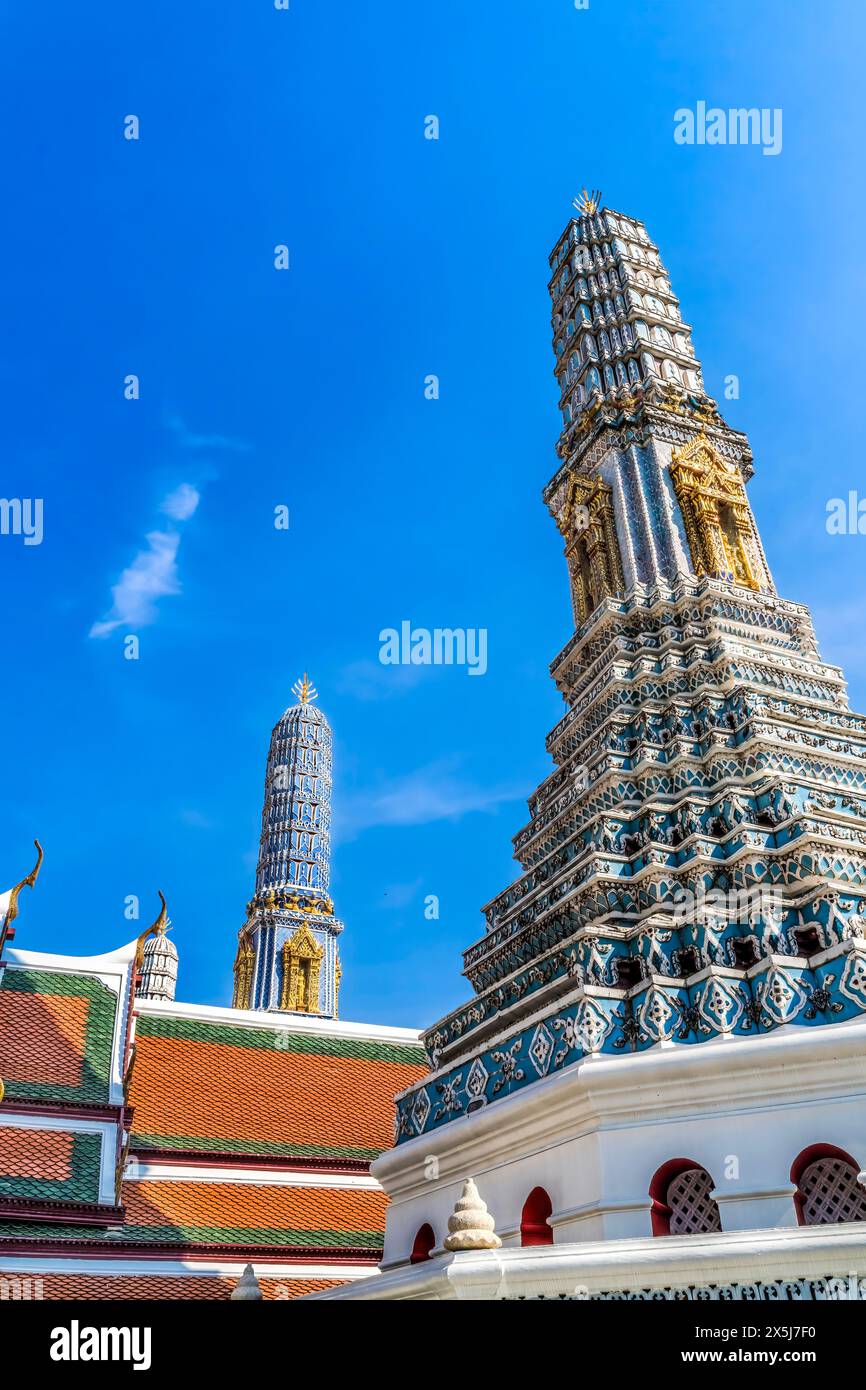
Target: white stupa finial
471, 1227
248, 1288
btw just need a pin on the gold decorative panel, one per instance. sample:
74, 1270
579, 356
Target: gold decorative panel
716, 514
591, 545
244, 962
302, 965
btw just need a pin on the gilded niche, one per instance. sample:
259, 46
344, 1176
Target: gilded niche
718, 520
302, 965
591, 546
244, 961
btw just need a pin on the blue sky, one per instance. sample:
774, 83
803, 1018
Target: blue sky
306, 388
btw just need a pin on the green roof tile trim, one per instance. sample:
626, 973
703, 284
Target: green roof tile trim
256, 1235
98, 1033
50, 1230
82, 1185
187, 1143
277, 1039
194, 1235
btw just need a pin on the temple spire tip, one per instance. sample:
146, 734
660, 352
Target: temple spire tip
305, 690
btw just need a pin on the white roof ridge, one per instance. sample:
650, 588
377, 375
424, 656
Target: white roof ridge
274, 1020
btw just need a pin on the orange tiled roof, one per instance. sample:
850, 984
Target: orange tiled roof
225, 1088
331, 1221
149, 1287
49, 1165
35, 1153
56, 1036
42, 1038
253, 1214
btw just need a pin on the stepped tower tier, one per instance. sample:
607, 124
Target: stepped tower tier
694, 867
287, 956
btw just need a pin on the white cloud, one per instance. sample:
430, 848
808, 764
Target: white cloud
433, 793
181, 503
153, 574
188, 439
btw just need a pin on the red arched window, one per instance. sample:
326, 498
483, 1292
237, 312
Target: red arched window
827, 1186
423, 1246
534, 1229
682, 1199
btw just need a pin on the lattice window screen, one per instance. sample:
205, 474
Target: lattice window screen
693, 1210
831, 1192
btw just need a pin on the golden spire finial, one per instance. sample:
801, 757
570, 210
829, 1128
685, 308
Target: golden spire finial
305, 691
588, 203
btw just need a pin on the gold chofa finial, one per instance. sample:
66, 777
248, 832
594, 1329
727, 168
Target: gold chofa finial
163, 922
159, 928
305, 691
588, 203
12, 904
